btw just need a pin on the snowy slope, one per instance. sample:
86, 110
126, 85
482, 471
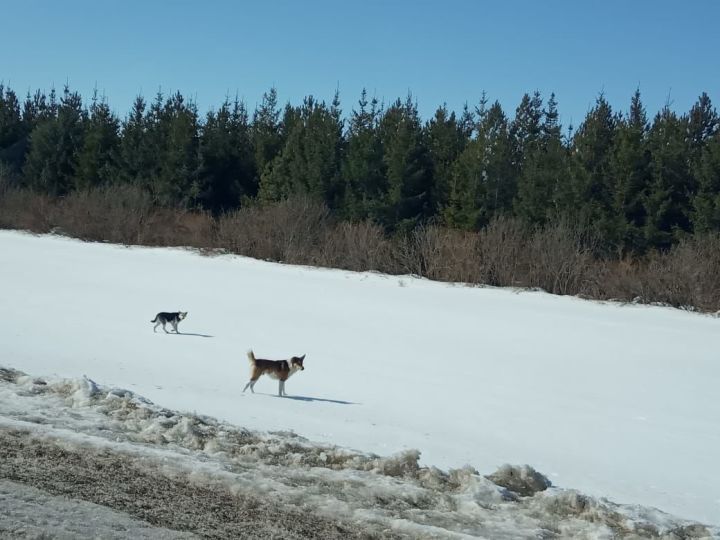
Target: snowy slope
616, 401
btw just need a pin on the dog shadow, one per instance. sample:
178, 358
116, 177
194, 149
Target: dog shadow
308, 398
322, 400
190, 334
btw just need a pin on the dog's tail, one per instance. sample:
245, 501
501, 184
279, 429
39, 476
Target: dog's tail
251, 357
155, 319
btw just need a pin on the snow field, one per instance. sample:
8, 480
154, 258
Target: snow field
615, 401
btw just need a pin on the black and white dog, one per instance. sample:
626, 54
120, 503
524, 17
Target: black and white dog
165, 317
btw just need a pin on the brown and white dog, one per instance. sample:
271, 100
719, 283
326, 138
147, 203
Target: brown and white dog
281, 370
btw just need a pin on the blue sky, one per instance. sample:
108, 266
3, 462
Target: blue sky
446, 51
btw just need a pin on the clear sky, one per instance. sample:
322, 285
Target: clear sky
447, 51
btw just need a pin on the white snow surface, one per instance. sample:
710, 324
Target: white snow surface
616, 401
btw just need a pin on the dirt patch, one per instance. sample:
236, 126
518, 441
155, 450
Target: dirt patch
118, 482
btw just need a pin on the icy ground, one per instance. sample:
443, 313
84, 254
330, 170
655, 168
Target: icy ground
614, 401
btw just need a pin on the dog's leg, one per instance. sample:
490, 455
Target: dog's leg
280, 388
156, 325
246, 386
165, 328
174, 325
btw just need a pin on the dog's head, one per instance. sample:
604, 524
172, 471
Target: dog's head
297, 361
182, 315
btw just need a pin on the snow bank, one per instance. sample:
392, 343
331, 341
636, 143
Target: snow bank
391, 493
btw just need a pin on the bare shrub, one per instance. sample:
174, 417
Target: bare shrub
406, 258
443, 254
114, 214
559, 259
707, 261
356, 246
288, 231
501, 245
688, 275
197, 229
120, 214
170, 227
616, 279
7, 180
233, 233
25, 210
670, 277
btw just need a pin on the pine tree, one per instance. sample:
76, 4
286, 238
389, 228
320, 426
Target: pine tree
703, 127
668, 202
482, 183
277, 179
98, 153
630, 170
591, 181
410, 197
526, 128
51, 164
178, 141
266, 137
137, 156
446, 139
13, 135
11, 129
362, 168
35, 109
543, 179
467, 123
702, 124
461, 205
156, 135
500, 174
309, 162
227, 172
706, 204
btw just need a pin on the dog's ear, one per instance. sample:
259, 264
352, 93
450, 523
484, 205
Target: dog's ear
302, 358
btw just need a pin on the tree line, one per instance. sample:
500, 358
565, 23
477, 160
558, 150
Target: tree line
636, 184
